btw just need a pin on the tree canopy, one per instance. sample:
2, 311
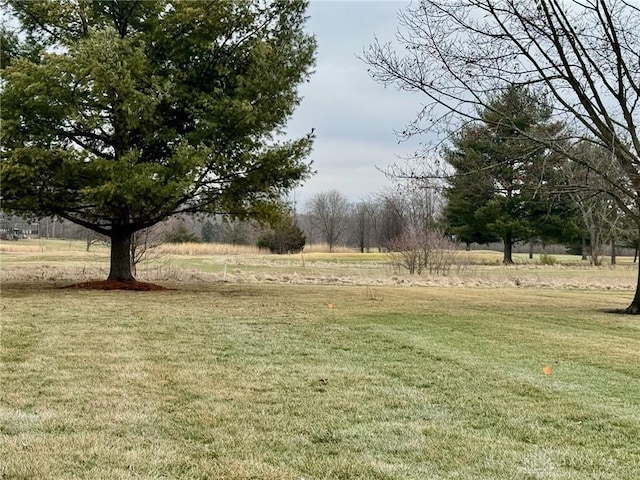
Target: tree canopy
117, 114
329, 213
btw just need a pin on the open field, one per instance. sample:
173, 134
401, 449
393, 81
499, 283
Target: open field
335, 369
61, 262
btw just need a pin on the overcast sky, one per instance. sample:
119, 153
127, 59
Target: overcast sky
354, 117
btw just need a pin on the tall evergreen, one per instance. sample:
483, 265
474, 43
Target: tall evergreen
117, 114
499, 187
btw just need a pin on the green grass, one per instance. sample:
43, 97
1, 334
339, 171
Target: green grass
268, 382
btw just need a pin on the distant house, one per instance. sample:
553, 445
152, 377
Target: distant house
14, 228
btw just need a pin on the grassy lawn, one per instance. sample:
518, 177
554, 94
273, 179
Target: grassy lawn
252, 381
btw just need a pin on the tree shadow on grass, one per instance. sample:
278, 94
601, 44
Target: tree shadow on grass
116, 285
616, 311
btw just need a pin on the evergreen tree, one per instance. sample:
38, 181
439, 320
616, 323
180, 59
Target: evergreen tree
285, 237
499, 187
118, 114
469, 188
208, 232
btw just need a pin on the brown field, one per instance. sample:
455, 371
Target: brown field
59, 262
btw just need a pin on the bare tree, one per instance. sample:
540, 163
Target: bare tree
329, 212
365, 224
601, 216
144, 243
583, 54
94, 238
419, 250
422, 203
412, 205
405, 251
392, 218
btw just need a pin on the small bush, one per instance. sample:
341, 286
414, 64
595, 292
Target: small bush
417, 251
548, 259
285, 238
180, 234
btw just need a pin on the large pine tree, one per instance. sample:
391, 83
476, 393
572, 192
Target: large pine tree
499, 186
117, 114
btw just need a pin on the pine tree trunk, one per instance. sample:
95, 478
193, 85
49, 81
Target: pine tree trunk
120, 267
508, 249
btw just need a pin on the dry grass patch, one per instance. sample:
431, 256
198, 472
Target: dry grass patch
62, 267
200, 249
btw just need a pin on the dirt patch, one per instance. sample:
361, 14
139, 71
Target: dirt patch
114, 285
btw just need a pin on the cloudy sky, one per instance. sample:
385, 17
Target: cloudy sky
354, 117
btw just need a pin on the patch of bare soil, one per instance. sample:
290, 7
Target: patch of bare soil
115, 285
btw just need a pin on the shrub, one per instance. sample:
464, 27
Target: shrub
286, 237
418, 251
180, 234
548, 259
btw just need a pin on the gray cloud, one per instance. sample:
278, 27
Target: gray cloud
354, 118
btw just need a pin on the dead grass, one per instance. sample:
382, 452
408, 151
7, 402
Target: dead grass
62, 263
324, 248
229, 249
60, 268
21, 247
200, 249
46, 245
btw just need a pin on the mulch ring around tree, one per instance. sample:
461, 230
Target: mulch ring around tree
117, 285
